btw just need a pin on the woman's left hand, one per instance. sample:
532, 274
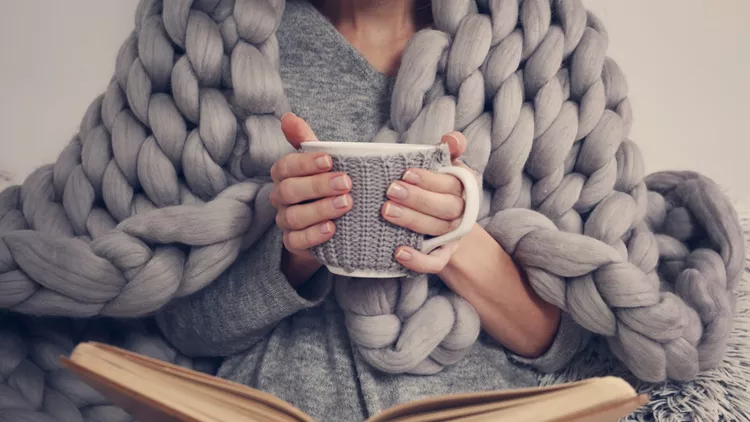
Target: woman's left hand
429, 203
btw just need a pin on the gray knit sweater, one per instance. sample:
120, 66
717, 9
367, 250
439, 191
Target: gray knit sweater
293, 343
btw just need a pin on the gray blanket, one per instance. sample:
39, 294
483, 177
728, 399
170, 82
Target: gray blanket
34, 388
721, 394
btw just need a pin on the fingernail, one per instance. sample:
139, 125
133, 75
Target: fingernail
393, 210
397, 191
403, 255
288, 113
323, 162
325, 228
341, 201
411, 177
458, 143
340, 183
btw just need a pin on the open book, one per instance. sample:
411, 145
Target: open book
153, 390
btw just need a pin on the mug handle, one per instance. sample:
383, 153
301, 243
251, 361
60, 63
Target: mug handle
471, 208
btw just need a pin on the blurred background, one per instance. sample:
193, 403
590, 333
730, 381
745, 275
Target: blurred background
687, 64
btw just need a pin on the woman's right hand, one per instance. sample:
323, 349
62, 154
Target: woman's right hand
307, 197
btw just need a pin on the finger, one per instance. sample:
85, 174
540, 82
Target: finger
296, 130
416, 221
309, 237
433, 181
273, 197
299, 217
440, 205
298, 189
300, 164
423, 263
457, 143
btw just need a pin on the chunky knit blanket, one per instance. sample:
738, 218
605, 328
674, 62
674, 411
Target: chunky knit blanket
167, 182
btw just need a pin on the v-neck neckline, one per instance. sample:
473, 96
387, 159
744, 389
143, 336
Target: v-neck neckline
330, 31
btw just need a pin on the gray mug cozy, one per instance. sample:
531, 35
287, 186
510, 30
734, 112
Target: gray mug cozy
364, 240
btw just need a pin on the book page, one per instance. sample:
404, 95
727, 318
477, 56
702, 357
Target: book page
461, 405
447, 402
589, 400
155, 383
138, 382
470, 409
139, 392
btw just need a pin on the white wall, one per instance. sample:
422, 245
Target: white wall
55, 58
687, 63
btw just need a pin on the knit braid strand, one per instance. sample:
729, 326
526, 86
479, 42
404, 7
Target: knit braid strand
34, 387
167, 181
160, 159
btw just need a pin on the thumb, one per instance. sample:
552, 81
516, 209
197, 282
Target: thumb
456, 144
296, 130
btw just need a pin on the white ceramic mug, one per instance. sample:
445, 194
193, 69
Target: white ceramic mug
364, 243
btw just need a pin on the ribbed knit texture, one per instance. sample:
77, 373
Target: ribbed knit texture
364, 240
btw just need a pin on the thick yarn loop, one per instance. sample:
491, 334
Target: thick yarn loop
118, 273
401, 326
167, 180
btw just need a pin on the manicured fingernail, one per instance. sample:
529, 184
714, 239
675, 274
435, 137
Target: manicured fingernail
397, 191
393, 210
411, 177
341, 201
323, 162
455, 139
403, 255
340, 183
325, 228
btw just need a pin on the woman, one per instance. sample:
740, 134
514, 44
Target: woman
272, 315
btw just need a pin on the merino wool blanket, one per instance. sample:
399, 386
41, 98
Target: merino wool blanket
167, 181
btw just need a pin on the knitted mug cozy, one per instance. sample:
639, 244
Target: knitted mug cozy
364, 240
167, 181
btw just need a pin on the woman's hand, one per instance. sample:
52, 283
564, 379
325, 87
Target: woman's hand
476, 267
307, 197
429, 203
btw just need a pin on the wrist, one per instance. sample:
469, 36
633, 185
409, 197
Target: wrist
456, 273
475, 266
461, 259
298, 268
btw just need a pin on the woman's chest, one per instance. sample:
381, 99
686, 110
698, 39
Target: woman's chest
339, 95
335, 106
